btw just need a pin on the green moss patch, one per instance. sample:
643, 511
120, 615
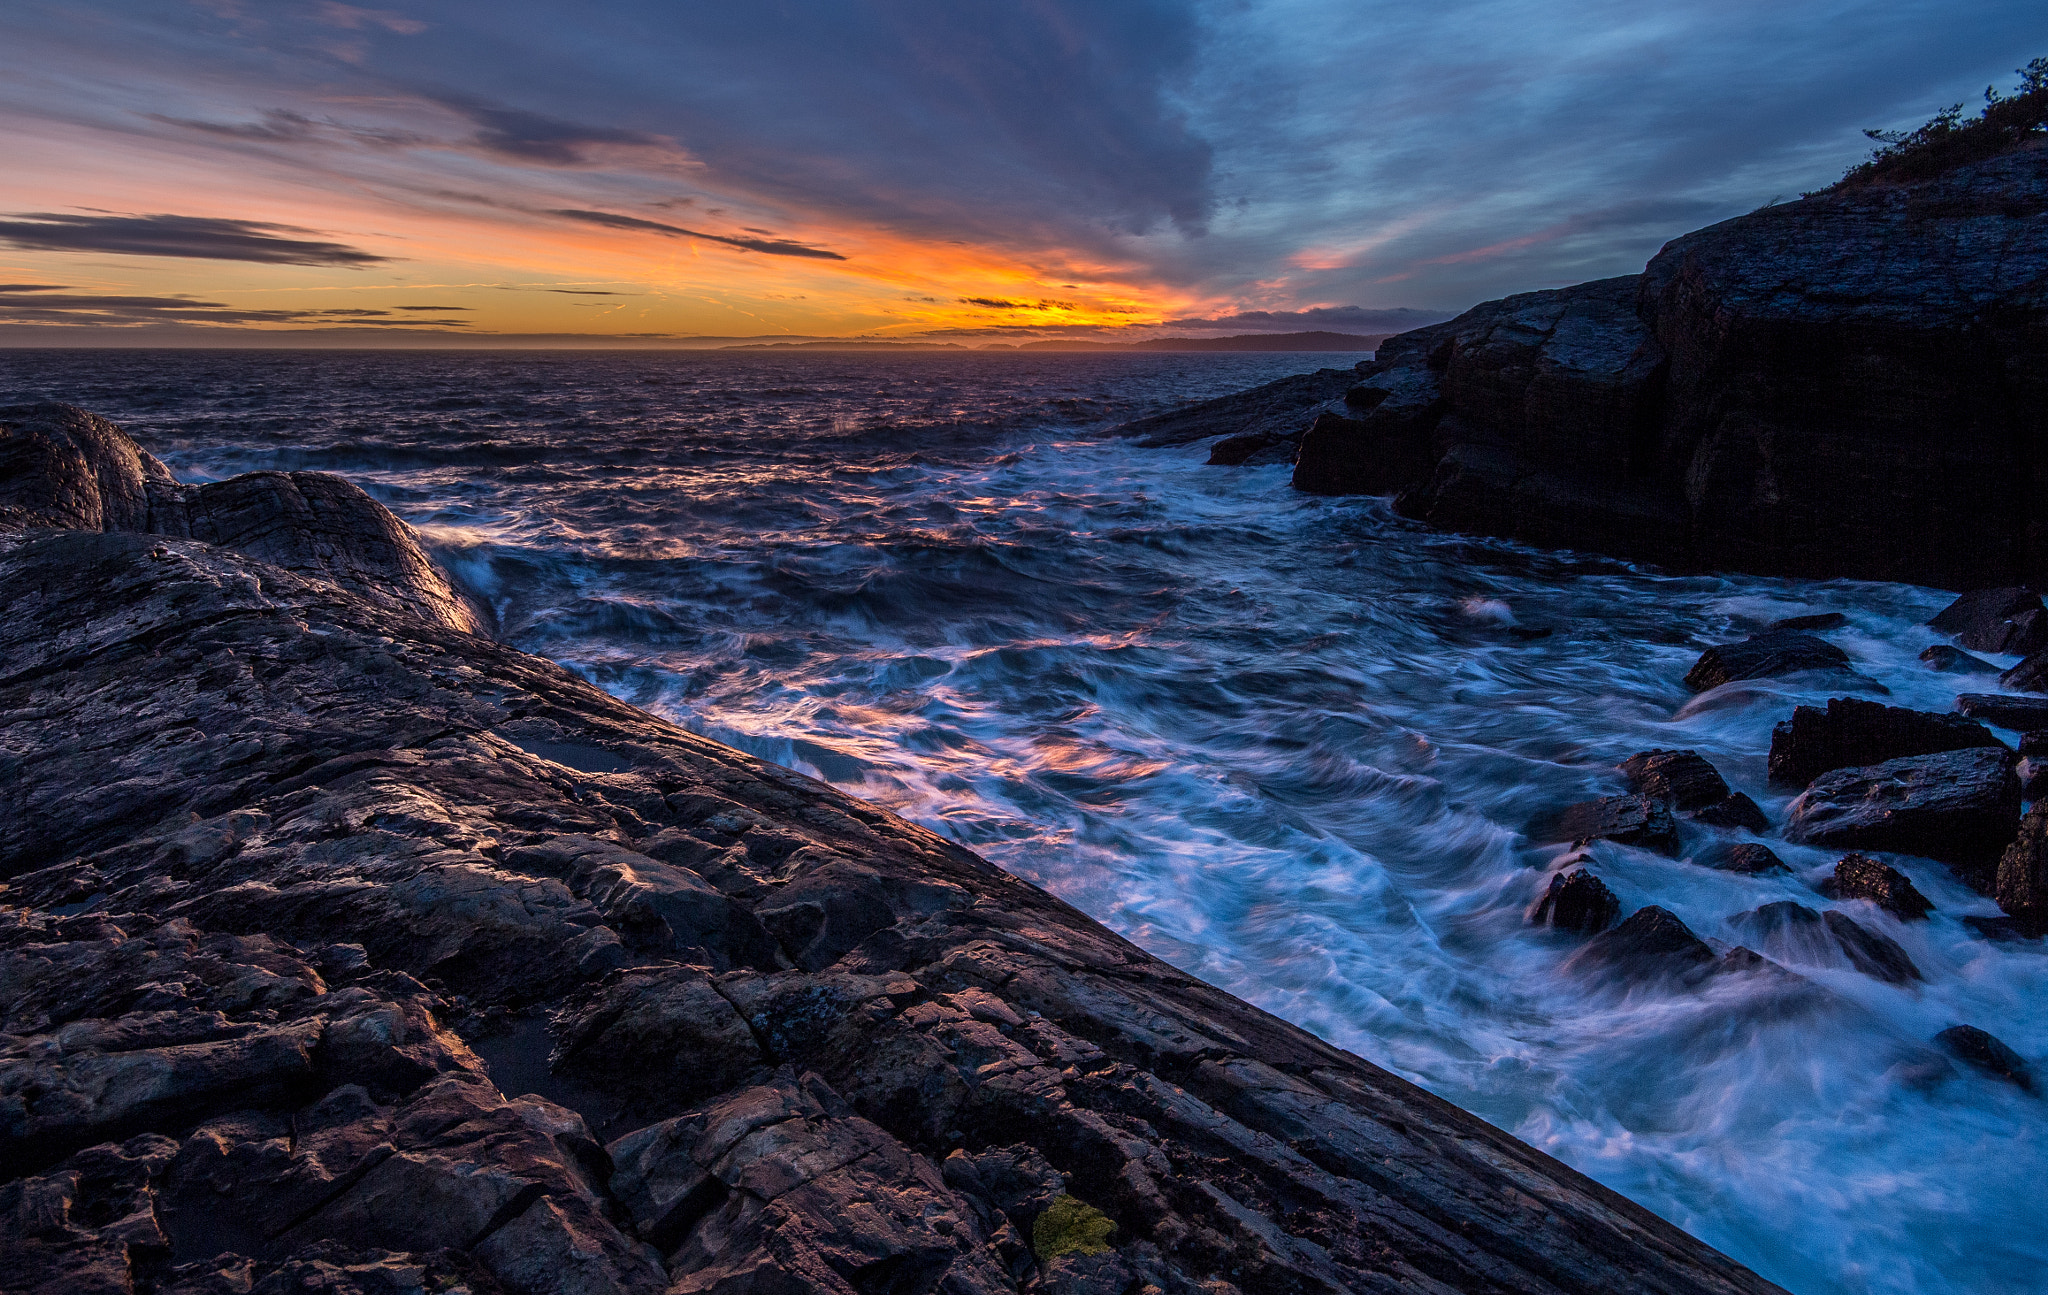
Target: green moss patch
1070, 1227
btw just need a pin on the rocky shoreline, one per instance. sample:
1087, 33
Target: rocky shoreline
348, 950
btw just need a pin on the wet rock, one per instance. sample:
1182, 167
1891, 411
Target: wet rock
1952, 660
2008, 621
1234, 451
1734, 811
1682, 779
1643, 821
2022, 883
1852, 733
1858, 876
1750, 857
1651, 945
1576, 901
1999, 930
1816, 621
1984, 1052
1960, 807
2030, 675
1798, 935
1382, 441
2019, 713
1764, 656
1282, 408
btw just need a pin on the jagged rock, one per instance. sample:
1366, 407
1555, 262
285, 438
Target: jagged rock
1851, 733
1960, 807
1750, 857
1734, 810
1280, 409
1800, 936
1576, 901
1742, 403
2018, 713
1951, 660
1626, 820
2030, 675
320, 832
2008, 621
1682, 779
2022, 883
1858, 876
1815, 621
1764, 656
61, 466
1651, 945
1974, 1047
1234, 451
1380, 445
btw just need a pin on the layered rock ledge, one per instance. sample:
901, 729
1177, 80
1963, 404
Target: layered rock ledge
1852, 385
343, 948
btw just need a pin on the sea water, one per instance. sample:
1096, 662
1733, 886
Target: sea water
1288, 744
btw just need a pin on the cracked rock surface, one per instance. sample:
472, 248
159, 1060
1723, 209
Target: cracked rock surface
342, 949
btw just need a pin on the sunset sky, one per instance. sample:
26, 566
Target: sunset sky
189, 170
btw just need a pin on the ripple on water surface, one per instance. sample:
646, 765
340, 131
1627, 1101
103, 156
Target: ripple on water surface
1289, 744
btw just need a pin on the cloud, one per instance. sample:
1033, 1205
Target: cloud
771, 246
589, 292
536, 137
204, 237
283, 126
1350, 319
1002, 303
37, 303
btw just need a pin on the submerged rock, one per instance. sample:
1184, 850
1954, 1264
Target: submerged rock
1797, 934
1576, 901
1851, 733
319, 831
1816, 621
2008, 621
1858, 876
1643, 821
1986, 1053
1764, 656
1960, 807
1950, 660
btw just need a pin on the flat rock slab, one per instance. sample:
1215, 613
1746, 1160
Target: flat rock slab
1684, 780
1643, 821
1764, 656
270, 841
2010, 621
2023, 714
1960, 807
1851, 733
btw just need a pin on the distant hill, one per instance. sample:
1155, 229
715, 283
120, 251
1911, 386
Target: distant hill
848, 345
1319, 341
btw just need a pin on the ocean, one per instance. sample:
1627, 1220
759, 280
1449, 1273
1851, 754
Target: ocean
1288, 744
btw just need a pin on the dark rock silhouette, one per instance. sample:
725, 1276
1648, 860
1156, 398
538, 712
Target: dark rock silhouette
1652, 945
1950, 660
2030, 675
1818, 621
1851, 732
1850, 385
1764, 656
1734, 811
1685, 780
1858, 876
1986, 1053
2010, 621
1576, 901
2023, 714
1746, 857
1626, 820
1960, 807
2022, 880
345, 948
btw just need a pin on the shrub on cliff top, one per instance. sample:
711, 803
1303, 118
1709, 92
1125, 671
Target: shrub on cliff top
1070, 1227
1948, 141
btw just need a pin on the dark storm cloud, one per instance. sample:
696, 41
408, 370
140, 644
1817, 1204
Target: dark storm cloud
771, 246
31, 303
203, 237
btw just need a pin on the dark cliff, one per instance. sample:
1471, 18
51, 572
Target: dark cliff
1855, 384
344, 949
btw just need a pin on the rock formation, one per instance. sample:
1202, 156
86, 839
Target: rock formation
344, 949
1851, 385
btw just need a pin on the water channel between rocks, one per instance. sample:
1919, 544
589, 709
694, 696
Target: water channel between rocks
1288, 744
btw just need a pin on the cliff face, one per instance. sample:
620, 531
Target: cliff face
343, 949
1851, 385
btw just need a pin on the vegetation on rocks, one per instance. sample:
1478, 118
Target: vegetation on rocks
1070, 1226
1949, 140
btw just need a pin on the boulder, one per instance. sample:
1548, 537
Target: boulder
1960, 807
1809, 623
1986, 1053
1643, 821
2021, 887
1651, 945
1764, 656
2018, 713
1734, 811
1858, 876
2030, 675
1381, 442
1682, 779
1851, 732
1749, 857
1952, 660
1576, 901
2008, 621
1796, 934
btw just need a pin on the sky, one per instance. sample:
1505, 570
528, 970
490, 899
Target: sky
665, 172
